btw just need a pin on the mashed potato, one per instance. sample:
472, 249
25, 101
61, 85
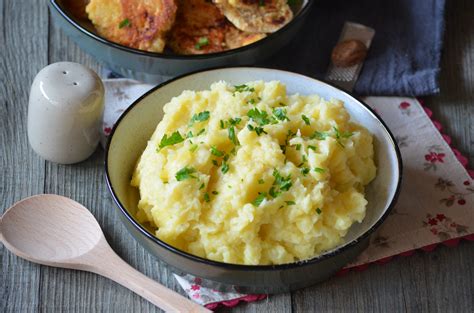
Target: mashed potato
250, 175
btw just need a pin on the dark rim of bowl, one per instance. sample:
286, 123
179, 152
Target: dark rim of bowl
242, 267
67, 16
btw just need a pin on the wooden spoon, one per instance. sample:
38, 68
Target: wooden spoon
57, 231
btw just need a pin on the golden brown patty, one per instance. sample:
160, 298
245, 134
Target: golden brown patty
140, 24
201, 28
256, 16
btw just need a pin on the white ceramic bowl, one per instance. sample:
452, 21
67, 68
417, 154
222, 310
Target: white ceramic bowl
135, 127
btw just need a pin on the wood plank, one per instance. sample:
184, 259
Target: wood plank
454, 106
24, 53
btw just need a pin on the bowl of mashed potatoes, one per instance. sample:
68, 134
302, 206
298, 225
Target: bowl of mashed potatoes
250, 178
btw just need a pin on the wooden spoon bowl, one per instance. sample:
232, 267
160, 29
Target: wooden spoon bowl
57, 231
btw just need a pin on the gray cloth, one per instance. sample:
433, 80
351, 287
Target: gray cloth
405, 53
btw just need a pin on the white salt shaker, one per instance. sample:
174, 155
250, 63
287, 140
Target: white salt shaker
65, 112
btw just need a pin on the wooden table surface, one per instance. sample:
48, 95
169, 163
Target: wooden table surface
439, 281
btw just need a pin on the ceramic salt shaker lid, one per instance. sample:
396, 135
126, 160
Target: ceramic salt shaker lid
65, 112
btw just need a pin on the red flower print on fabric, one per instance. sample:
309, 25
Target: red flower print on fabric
195, 287
455, 194
405, 108
443, 226
434, 156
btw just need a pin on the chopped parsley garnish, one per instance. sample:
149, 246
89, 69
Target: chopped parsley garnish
189, 134
305, 171
283, 148
319, 135
224, 168
340, 135
259, 130
199, 117
226, 157
280, 114
251, 101
233, 151
261, 196
261, 181
206, 197
202, 42
216, 152
312, 147
202, 186
319, 170
222, 124
232, 136
171, 140
242, 88
185, 173
201, 132
259, 117
290, 202
280, 184
215, 162
298, 147
215, 192
318, 210
124, 23
305, 119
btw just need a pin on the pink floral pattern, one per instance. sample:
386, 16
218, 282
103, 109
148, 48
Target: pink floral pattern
455, 196
434, 156
443, 227
405, 108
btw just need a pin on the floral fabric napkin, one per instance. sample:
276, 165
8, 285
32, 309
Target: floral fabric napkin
436, 203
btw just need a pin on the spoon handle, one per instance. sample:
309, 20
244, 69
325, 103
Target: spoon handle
121, 272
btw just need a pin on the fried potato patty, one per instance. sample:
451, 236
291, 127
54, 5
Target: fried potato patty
256, 16
201, 28
140, 24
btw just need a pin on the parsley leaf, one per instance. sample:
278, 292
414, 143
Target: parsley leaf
232, 136
216, 152
318, 210
305, 171
201, 132
124, 23
185, 173
259, 130
224, 168
202, 186
202, 42
171, 140
242, 88
259, 117
261, 181
312, 147
319, 170
280, 114
206, 197
290, 202
199, 117
215, 192
261, 196
305, 119
280, 184
298, 146
215, 162
319, 135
